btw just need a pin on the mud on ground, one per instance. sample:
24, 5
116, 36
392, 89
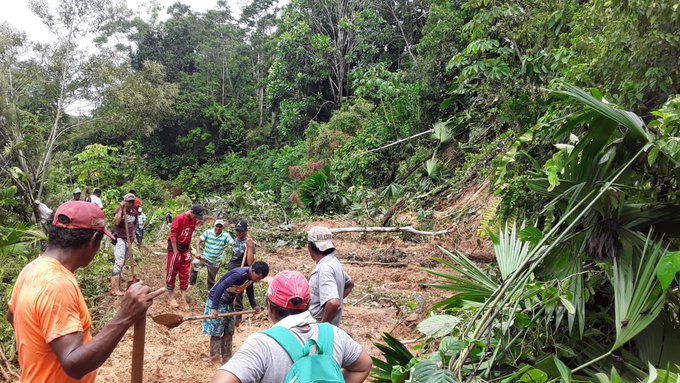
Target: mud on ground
384, 299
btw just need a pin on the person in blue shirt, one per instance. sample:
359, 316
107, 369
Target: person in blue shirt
221, 301
216, 241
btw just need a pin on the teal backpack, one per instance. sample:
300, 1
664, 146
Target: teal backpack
315, 368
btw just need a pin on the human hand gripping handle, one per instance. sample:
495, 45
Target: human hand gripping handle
213, 314
137, 299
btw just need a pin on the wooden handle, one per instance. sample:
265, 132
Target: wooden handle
129, 245
226, 315
138, 339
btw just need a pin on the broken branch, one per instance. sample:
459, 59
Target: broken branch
378, 229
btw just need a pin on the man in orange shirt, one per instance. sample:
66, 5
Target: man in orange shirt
48, 310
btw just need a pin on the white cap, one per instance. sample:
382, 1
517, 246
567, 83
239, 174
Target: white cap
322, 237
219, 222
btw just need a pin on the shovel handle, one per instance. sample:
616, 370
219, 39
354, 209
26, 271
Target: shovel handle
225, 315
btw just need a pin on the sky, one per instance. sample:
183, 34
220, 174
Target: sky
17, 13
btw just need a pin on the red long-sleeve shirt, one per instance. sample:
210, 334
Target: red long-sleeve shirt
181, 230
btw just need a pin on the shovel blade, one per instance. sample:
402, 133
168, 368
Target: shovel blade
168, 320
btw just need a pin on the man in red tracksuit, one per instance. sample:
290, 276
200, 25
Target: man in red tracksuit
179, 253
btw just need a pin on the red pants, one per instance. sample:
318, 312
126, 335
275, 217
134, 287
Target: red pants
178, 263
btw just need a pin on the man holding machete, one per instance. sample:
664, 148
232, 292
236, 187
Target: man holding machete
49, 313
221, 301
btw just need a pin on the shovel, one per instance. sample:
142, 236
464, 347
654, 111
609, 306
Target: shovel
174, 320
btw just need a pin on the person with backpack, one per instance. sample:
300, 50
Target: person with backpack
296, 348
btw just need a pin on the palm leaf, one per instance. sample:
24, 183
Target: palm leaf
442, 133
638, 296
397, 358
629, 120
473, 284
510, 251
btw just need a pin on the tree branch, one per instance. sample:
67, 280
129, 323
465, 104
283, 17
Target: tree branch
394, 143
380, 229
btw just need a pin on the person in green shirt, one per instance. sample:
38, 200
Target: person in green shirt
215, 241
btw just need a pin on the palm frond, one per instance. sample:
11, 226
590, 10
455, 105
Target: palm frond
629, 120
473, 284
510, 251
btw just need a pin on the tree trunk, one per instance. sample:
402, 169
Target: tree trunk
379, 229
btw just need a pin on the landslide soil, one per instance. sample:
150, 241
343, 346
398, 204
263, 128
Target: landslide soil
385, 299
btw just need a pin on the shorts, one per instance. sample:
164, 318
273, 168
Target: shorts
220, 326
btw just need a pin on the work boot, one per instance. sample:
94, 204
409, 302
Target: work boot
215, 348
115, 285
225, 345
171, 299
183, 303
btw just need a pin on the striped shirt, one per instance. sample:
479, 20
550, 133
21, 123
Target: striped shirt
141, 219
215, 245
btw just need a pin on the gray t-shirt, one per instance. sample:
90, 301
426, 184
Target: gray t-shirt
261, 360
327, 282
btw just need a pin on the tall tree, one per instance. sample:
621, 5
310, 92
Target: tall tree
37, 120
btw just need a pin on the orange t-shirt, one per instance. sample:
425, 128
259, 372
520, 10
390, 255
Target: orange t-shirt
47, 304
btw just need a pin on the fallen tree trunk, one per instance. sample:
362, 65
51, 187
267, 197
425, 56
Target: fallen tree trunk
379, 229
368, 263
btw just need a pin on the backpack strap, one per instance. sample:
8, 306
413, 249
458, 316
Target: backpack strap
287, 341
292, 346
325, 343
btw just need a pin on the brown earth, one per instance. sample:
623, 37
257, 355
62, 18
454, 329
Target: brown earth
385, 299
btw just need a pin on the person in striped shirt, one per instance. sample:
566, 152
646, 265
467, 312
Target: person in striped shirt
215, 240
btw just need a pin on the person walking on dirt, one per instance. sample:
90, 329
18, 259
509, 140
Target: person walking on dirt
179, 253
329, 283
125, 221
221, 301
48, 311
139, 234
262, 360
243, 254
216, 240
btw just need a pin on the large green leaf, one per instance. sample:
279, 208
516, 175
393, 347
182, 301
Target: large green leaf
428, 372
629, 120
438, 326
668, 268
442, 133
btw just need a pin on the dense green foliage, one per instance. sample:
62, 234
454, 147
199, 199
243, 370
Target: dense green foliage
362, 106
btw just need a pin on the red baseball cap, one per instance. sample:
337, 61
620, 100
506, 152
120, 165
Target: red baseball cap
80, 215
286, 286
